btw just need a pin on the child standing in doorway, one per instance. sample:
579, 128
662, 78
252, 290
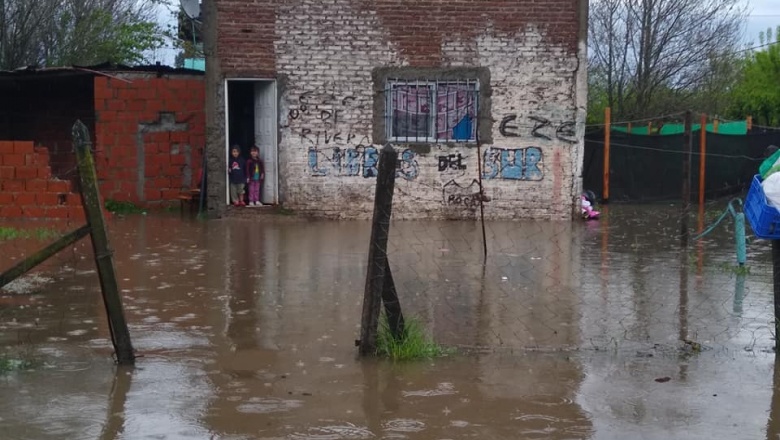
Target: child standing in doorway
255, 173
236, 167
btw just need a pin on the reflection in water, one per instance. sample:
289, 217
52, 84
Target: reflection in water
247, 331
773, 425
683, 309
115, 417
683, 303
739, 293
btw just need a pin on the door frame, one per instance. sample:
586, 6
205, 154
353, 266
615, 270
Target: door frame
275, 132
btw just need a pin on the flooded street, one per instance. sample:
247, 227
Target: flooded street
246, 330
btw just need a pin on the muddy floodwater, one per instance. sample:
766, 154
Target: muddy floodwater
246, 329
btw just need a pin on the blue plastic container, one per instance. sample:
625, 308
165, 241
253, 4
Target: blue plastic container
763, 217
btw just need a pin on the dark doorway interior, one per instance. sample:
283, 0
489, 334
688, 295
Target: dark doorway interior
241, 115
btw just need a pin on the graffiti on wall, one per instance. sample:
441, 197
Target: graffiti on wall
457, 195
357, 161
451, 162
541, 128
326, 137
513, 164
320, 105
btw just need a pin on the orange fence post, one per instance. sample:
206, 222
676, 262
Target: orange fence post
702, 157
749, 123
715, 125
629, 128
607, 135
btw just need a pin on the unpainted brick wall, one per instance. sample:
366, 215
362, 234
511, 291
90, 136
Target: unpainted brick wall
150, 135
324, 53
28, 189
43, 109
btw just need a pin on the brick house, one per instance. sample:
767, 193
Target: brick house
147, 125
462, 89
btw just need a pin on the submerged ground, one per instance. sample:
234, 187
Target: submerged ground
246, 330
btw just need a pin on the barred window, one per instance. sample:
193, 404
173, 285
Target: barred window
432, 111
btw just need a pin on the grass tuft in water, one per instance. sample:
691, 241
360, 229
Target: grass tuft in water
7, 233
123, 208
19, 362
415, 344
736, 270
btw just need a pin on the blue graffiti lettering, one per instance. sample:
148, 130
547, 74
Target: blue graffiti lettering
513, 164
370, 162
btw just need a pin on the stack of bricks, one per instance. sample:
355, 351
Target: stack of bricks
27, 188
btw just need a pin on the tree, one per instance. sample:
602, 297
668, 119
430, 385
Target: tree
649, 57
758, 91
66, 32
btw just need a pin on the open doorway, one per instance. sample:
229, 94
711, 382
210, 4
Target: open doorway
250, 119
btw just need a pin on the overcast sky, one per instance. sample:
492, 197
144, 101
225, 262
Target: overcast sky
761, 16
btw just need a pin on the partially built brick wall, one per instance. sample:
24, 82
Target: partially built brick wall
28, 189
150, 133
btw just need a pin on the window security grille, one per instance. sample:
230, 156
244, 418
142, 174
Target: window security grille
423, 111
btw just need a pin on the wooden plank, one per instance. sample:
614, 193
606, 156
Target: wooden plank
44, 254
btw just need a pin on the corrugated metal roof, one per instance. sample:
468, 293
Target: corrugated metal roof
98, 69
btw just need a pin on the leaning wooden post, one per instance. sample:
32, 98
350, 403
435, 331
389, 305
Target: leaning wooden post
104, 260
30, 262
607, 138
686, 179
395, 317
377, 251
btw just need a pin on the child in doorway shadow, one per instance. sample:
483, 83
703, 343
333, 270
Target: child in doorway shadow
236, 167
255, 173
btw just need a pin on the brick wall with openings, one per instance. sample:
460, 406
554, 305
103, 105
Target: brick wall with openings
326, 55
150, 134
29, 190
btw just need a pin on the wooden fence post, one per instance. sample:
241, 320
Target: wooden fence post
686, 178
90, 197
607, 138
377, 279
702, 159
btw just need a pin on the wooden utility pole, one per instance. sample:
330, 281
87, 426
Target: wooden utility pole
379, 281
607, 138
104, 259
686, 179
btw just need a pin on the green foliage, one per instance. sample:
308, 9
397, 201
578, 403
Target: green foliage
123, 208
81, 32
414, 344
758, 91
96, 38
7, 233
